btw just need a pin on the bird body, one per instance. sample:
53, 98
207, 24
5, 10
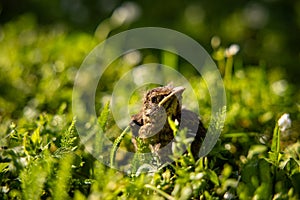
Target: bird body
151, 124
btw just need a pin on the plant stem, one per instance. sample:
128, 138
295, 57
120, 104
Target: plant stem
116, 144
162, 193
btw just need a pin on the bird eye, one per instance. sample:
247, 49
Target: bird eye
157, 99
154, 100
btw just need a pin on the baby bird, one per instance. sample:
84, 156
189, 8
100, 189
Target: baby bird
151, 124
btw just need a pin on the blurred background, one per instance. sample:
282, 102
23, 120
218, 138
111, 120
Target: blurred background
43, 43
267, 30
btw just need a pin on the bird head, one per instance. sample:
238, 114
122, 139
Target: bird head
162, 102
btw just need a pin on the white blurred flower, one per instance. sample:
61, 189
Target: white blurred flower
232, 50
24, 161
284, 122
215, 42
126, 13
133, 57
280, 87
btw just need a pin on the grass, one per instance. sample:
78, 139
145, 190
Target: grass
41, 156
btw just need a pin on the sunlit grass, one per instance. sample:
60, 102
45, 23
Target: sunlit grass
41, 155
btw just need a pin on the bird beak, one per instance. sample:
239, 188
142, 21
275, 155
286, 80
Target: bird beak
176, 91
